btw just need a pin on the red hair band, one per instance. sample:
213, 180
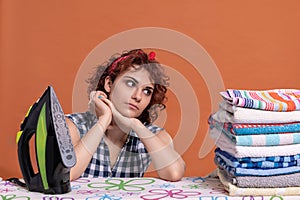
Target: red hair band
115, 63
151, 55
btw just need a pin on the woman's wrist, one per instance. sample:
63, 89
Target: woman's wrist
136, 124
139, 128
100, 125
103, 122
92, 139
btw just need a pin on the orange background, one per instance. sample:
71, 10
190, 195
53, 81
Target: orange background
255, 44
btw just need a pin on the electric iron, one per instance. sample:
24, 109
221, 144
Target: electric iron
53, 146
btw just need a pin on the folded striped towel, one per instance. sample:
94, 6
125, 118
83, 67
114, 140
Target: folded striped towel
259, 140
226, 144
235, 114
240, 171
274, 100
263, 163
290, 158
254, 129
233, 190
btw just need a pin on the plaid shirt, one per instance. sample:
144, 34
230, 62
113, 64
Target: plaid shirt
133, 159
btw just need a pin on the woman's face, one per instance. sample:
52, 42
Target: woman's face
131, 92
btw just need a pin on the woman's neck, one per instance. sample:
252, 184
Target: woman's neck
116, 135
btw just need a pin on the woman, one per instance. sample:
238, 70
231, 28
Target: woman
116, 137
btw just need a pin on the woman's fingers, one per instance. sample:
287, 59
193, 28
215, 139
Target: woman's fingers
99, 95
101, 108
105, 100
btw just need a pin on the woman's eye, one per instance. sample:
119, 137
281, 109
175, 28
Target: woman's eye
147, 92
130, 83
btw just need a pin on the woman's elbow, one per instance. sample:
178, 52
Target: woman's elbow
174, 174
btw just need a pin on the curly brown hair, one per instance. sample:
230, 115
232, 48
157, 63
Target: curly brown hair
137, 59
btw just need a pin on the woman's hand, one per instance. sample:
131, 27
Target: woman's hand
166, 160
102, 110
124, 123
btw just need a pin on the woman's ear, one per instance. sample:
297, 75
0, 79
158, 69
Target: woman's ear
107, 84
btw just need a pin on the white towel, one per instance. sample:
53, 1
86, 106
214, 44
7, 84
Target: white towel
235, 114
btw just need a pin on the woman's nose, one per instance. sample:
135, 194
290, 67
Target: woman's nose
137, 95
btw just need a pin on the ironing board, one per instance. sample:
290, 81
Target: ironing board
135, 188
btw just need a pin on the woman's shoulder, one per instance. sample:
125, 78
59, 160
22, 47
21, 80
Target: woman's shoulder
81, 117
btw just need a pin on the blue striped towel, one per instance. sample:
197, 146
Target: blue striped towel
263, 163
239, 171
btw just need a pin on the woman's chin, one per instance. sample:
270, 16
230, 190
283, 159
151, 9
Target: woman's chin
130, 114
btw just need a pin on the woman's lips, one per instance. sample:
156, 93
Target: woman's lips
132, 106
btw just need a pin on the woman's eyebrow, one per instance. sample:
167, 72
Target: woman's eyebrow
137, 82
130, 77
150, 88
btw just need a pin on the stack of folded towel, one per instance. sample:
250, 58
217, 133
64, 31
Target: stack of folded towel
257, 137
